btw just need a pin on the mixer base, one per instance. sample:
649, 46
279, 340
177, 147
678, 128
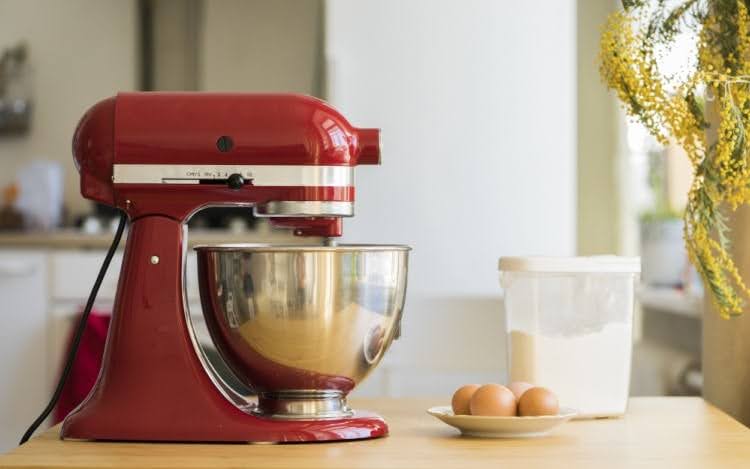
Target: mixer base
361, 425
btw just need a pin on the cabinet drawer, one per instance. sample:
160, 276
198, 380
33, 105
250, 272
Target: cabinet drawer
73, 274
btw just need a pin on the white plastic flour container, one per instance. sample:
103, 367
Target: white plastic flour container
569, 323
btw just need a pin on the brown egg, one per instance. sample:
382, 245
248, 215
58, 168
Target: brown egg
493, 400
461, 398
518, 388
538, 401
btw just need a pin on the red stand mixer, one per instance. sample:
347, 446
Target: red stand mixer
301, 325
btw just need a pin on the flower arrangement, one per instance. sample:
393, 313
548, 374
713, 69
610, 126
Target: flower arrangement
704, 106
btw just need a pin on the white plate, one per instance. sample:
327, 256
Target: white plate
502, 427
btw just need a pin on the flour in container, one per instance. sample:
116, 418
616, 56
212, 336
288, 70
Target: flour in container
589, 372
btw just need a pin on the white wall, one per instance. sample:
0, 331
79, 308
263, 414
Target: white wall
476, 100
81, 51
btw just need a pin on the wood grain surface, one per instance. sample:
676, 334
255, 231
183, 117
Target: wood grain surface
660, 432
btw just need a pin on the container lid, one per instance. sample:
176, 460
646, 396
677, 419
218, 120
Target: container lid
604, 264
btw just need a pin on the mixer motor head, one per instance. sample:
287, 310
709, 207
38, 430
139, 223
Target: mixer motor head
290, 157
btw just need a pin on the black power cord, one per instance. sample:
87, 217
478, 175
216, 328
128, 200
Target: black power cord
79, 332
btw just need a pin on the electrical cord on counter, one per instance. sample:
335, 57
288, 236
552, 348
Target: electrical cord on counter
80, 328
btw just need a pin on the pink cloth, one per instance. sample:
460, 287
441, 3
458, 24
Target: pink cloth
85, 366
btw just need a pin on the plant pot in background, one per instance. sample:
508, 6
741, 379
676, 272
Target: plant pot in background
664, 260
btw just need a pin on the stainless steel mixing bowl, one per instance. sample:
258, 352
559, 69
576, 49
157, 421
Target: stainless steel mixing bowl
302, 325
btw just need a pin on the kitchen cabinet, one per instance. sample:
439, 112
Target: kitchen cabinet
42, 292
25, 368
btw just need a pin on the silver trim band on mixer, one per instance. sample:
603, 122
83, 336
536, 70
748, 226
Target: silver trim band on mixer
260, 175
304, 208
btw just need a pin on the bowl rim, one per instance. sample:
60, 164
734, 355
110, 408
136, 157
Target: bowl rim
267, 247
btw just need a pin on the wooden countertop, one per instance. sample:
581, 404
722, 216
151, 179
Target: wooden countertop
659, 432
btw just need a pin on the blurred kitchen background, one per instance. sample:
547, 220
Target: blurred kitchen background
499, 139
